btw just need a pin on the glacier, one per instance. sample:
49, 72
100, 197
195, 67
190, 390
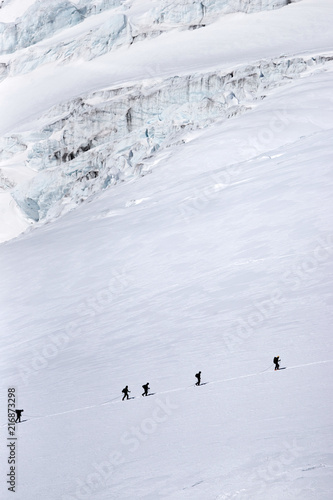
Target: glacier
165, 208
112, 132
97, 138
45, 17
42, 20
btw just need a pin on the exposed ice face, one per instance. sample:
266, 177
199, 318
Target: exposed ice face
105, 137
10, 146
41, 20
113, 32
3, 71
46, 17
194, 12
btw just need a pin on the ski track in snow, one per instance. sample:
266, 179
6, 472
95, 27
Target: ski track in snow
117, 400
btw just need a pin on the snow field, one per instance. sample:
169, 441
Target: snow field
186, 277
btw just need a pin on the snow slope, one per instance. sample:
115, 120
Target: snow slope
205, 264
217, 259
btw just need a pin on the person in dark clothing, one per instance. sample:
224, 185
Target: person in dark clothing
125, 391
276, 361
198, 376
146, 388
18, 415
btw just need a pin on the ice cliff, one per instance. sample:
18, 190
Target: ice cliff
45, 18
105, 136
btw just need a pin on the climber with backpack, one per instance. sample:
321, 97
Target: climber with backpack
125, 391
276, 361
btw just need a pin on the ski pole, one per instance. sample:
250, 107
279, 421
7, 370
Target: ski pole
270, 366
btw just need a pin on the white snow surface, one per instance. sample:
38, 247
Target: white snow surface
213, 253
13, 9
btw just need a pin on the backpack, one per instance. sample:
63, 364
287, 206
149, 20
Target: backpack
275, 360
